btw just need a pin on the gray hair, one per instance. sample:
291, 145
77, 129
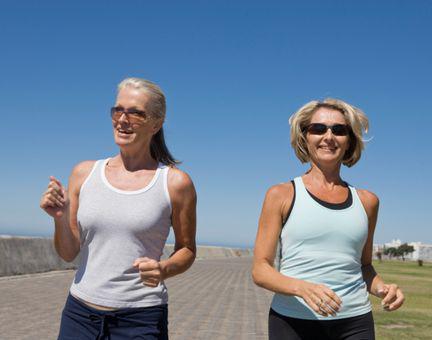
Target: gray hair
157, 103
156, 107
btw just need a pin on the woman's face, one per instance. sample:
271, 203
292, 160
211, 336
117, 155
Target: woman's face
327, 148
132, 123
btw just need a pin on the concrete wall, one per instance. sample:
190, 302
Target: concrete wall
207, 252
27, 255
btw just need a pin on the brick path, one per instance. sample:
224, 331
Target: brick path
215, 300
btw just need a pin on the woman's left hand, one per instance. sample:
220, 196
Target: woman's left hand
392, 296
150, 271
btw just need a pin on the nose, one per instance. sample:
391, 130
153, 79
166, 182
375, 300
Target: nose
328, 134
122, 121
123, 117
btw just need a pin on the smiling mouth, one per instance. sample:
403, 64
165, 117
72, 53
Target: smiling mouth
124, 132
327, 148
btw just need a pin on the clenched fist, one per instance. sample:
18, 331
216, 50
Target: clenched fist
150, 271
55, 199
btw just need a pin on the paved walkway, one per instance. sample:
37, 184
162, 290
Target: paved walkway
215, 300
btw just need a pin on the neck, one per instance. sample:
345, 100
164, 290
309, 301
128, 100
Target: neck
133, 159
325, 174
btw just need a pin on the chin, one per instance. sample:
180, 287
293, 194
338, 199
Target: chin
122, 141
328, 159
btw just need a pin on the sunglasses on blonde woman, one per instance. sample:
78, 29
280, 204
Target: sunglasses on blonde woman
321, 129
133, 115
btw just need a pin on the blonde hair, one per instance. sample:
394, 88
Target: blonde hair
355, 119
156, 106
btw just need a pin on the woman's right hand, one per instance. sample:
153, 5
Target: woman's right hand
320, 298
55, 199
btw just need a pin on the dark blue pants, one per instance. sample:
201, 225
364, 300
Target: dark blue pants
81, 322
282, 327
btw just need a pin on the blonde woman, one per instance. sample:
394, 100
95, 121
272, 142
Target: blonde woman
324, 228
117, 214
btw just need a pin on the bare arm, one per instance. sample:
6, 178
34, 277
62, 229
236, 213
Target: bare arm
183, 200
275, 209
390, 293
270, 223
62, 205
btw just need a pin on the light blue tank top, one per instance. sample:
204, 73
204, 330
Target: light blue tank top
324, 246
117, 227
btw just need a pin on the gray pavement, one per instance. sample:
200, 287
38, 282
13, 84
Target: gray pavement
215, 299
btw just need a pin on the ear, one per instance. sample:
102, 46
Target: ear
157, 125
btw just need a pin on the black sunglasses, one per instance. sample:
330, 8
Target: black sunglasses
320, 129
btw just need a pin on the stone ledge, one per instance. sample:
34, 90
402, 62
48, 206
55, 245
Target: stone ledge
28, 255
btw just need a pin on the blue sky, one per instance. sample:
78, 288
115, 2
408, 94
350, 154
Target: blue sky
233, 72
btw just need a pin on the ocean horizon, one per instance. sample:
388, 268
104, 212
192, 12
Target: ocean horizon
199, 243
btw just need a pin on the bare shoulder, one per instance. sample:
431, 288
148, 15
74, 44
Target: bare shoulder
179, 182
280, 192
80, 172
369, 199
279, 198
82, 169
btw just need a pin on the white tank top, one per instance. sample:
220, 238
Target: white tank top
116, 227
324, 246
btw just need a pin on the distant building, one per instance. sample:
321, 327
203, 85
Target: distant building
422, 251
393, 243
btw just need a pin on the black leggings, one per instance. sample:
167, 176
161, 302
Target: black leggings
356, 328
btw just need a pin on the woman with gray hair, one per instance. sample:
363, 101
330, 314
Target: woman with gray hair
324, 229
117, 213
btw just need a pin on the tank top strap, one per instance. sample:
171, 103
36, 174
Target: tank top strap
356, 198
91, 176
164, 176
300, 187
